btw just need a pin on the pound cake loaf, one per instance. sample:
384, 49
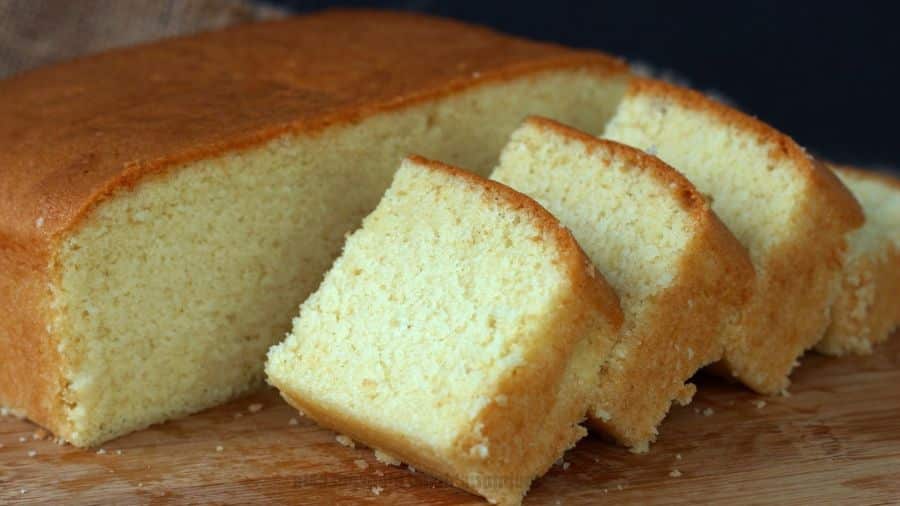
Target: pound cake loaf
867, 309
460, 332
679, 273
168, 207
790, 212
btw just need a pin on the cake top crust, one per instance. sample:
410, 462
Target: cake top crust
75, 133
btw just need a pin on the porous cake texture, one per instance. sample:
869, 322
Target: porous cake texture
166, 208
460, 331
679, 273
867, 309
790, 212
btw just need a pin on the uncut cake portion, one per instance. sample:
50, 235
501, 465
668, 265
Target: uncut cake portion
867, 309
461, 331
168, 207
679, 273
791, 213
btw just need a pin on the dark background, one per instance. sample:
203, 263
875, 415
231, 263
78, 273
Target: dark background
824, 72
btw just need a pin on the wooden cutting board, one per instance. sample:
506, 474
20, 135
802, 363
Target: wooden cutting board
835, 440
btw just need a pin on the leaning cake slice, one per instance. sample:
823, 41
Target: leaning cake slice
460, 332
867, 309
678, 271
790, 212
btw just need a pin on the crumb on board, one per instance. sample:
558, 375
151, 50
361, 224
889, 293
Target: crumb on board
293, 421
785, 393
119, 452
675, 473
101, 451
22, 439
379, 473
708, 411
238, 415
620, 487
220, 448
32, 453
39, 434
566, 465
362, 464
345, 440
386, 458
255, 407
377, 490
411, 469
677, 456
22, 491
759, 403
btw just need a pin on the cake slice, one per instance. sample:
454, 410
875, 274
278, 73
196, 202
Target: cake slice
460, 332
867, 309
679, 273
168, 207
790, 212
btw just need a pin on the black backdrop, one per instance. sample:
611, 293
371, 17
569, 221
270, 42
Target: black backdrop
824, 72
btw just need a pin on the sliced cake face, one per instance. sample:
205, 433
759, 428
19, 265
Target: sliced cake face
678, 272
791, 213
448, 329
867, 309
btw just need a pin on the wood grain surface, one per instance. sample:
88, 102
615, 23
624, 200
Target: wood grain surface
835, 440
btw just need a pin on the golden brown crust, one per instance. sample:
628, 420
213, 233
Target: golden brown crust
82, 130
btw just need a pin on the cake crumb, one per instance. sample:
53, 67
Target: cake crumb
119, 452
785, 393
255, 407
759, 404
386, 458
140, 484
220, 448
377, 490
620, 487
22, 491
293, 421
345, 440
32, 453
101, 451
22, 439
566, 465
708, 411
411, 469
675, 473
362, 464
677, 456
379, 473
39, 222
40, 435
